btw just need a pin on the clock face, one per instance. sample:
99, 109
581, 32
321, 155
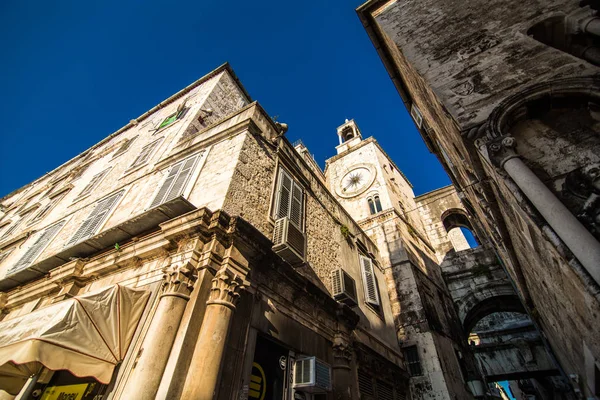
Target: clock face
355, 182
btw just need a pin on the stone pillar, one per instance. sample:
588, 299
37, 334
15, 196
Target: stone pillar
570, 230
152, 359
203, 373
341, 368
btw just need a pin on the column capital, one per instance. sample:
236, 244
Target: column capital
342, 350
502, 149
226, 287
179, 280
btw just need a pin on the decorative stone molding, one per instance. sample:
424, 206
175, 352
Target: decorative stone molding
501, 150
342, 350
225, 289
179, 280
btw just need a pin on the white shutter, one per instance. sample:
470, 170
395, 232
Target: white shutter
12, 228
35, 250
369, 281
176, 181
94, 182
96, 218
125, 146
284, 195
145, 153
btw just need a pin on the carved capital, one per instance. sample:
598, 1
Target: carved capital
179, 280
342, 350
502, 149
226, 287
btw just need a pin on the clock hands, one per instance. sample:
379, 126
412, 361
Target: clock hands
354, 180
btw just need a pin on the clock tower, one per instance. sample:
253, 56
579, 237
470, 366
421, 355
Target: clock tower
380, 198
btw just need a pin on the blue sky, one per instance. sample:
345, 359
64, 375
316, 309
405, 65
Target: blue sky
75, 71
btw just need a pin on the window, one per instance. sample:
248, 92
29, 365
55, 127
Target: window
98, 215
95, 181
124, 147
369, 281
289, 200
145, 153
36, 249
176, 180
374, 204
173, 117
5, 254
413, 362
15, 224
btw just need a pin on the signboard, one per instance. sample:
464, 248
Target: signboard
269, 371
68, 392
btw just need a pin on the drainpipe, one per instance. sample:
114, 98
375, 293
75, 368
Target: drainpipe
576, 236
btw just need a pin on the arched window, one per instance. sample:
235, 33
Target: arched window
371, 205
377, 204
374, 204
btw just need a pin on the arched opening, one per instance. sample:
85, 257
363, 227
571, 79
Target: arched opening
494, 304
347, 133
556, 127
374, 204
459, 229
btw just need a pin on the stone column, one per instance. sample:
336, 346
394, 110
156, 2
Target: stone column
572, 232
341, 368
148, 370
203, 373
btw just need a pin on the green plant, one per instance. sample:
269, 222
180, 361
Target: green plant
345, 231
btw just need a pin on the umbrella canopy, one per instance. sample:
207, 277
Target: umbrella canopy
87, 335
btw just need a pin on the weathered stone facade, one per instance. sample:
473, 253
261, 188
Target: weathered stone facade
505, 93
184, 203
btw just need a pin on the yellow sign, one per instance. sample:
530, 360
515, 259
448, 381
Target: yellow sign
69, 392
258, 384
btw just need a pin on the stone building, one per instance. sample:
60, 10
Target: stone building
506, 94
193, 254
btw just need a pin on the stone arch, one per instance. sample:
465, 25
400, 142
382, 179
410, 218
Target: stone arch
453, 219
556, 127
490, 305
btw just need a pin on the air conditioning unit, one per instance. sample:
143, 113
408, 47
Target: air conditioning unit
415, 113
312, 375
288, 241
344, 287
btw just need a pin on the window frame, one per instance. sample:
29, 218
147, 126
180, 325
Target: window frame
109, 213
409, 364
276, 196
374, 202
156, 144
177, 116
91, 185
40, 250
376, 305
124, 147
194, 175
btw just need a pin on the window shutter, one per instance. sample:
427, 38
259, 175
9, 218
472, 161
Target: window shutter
94, 182
176, 181
145, 153
296, 211
12, 228
125, 146
95, 219
35, 250
284, 195
369, 280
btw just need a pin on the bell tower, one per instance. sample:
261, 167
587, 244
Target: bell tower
380, 198
349, 136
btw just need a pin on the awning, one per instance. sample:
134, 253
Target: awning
87, 335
